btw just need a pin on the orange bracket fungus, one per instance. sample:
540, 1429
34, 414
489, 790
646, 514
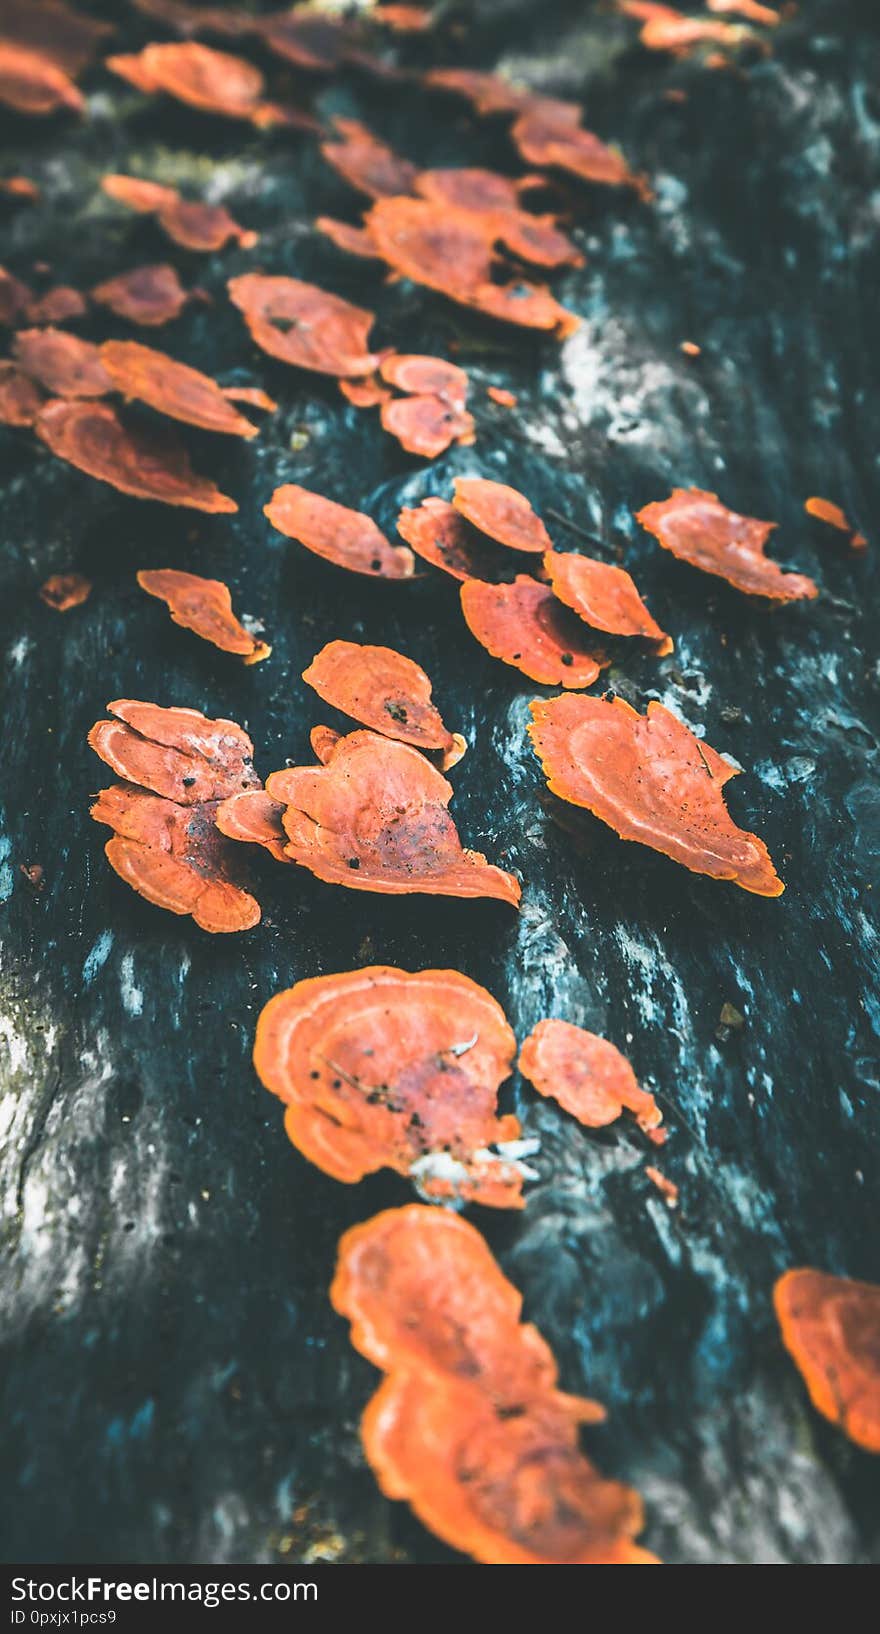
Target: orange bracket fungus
348, 538
214, 82
66, 36
824, 510
368, 164
442, 537
64, 364
469, 1426
204, 606
20, 400
752, 10
382, 689
588, 1076
525, 626
31, 83
177, 765
495, 200
831, 1327
191, 223
379, 1068
171, 388
304, 325
14, 297
57, 305
65, 590
665, 29
501, 512
148, 295
651, 780
352, 240
453, 252
695, 526
487, 93
604, 596
145, 464
374, 817
550, 134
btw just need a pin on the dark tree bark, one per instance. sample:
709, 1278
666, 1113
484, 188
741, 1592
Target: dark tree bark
176, 1387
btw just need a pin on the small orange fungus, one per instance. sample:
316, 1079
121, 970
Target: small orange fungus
831, 1327
204, 606
380, 688
145, 464
695, 526
348, 538
586, 1074
525, 626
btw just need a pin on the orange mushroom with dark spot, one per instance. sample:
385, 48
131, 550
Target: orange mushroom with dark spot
375, 817
651, 780
470, 1427
304, 325
379, 1068
587, 1075
192, 223
171, 388
501, 512
347, 538
525, 626
439, 535
424, 376
204, 606
382, 689
146, 464
831, 1327
368, 164
20, 400
696, 527
64, 364
427, 426
604, 596
149, 295
178, 765
64, 591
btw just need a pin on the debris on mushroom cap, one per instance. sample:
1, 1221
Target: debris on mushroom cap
380, 688
824, 510
454, 253
56, 305
20, 400
192, 223
470, 1426
66, 365
420, 1286
651, 780
442, 537
501, 512
145, 464
423, 375
604, 596
31, 83
368, 392
65, 590
427, 425
148, 295
665, 29
204, 606
174, 856
305, 325
254, 818
831, 1327
695, 526
525, 626
508, 1490
212, 81
586, 1074
353, 240
171, 388
487, 93
376, 818
177, 753
370, 1067
549, 133
348, 538
367, 163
